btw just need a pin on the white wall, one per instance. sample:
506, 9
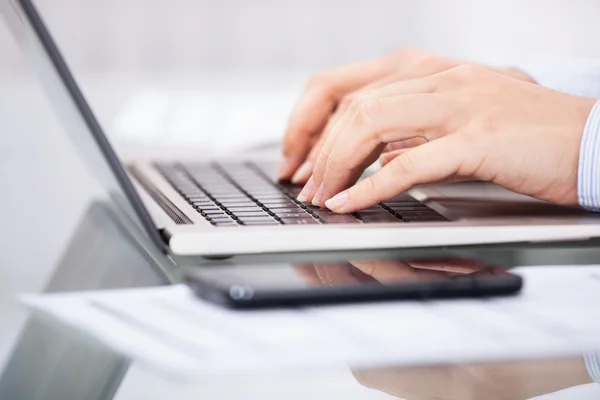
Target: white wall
261, 35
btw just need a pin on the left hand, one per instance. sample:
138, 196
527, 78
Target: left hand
477, 124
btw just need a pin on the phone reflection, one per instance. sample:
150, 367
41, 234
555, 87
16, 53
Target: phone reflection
506, 380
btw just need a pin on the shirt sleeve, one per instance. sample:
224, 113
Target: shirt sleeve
588, 179
592, 363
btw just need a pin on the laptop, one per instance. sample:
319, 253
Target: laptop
229, 206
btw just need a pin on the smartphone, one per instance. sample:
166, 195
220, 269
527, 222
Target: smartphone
294, 285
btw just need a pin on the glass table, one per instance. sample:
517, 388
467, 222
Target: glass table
48, 361
62, 234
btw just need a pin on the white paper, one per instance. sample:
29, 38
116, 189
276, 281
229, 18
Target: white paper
170, 330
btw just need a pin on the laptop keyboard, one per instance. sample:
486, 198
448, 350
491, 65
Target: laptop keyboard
230, 195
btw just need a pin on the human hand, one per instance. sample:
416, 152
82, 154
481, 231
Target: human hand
509, 380
478, 124
328, 95
390, 271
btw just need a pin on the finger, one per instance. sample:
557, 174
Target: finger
310, 189
460, 266
315, 191
377, 122
432, 162
390, 155
310, 114
308, 273
412, 70
406, 144
305, 170
332, 274
393, 150
393, 271
395, 87
363, 111
346, 114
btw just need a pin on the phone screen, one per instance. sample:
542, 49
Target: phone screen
408, 277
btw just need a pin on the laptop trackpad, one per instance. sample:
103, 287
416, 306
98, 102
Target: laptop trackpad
487, 200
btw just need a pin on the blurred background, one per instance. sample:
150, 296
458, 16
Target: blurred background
179, 71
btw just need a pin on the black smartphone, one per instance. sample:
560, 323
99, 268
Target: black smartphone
292, 285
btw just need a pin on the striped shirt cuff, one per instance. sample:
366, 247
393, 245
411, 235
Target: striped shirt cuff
588, 185
592, 363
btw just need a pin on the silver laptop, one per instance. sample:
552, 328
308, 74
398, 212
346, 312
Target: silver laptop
217, 207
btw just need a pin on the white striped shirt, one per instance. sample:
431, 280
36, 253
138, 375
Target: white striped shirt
582, 78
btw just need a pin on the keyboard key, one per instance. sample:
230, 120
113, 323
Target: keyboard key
279, 204
209, 209
379, 219
230, 197
259, 221
323, 212
402, 198
214, 213
202, 203
249, 208
224, 223
295, 191
373, 214
373, 208
287, 205
228, 204
408, 208
267, 197
310, 206
292, 215
251, 214
407, 203
299, 221
340, 219
427, 213
282, 211
221, 219
189, 191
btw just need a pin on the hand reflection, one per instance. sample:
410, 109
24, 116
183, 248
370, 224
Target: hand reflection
502, 381
389, 271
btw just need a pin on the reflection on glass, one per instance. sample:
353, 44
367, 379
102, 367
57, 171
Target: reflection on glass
388, 272
510, 380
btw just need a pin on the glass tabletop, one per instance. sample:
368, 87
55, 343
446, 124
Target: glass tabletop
61, 233
50, 361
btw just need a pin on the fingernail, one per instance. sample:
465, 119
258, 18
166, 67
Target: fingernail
318, 199
337, 201
282, 171
306, 190
303, 172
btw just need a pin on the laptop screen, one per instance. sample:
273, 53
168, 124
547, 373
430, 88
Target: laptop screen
74, 111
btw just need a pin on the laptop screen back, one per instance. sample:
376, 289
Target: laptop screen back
74, 112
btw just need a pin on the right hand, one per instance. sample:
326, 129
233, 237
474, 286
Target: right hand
502, 380
328, 94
